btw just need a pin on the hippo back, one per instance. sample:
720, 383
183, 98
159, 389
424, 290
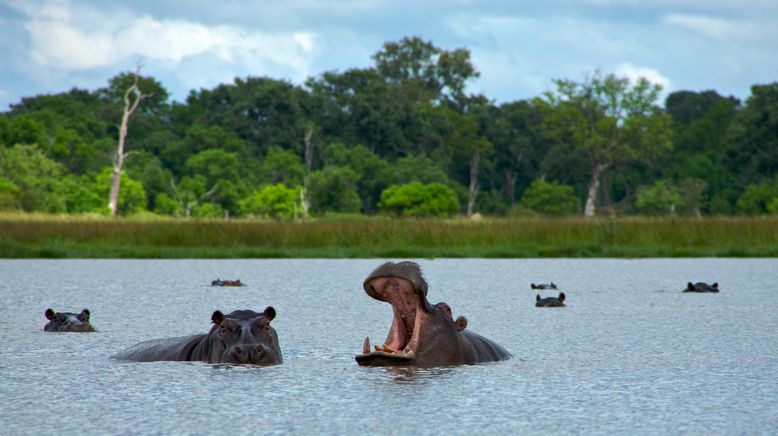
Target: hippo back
478, 349
178, 348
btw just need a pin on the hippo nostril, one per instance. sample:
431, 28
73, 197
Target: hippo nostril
238, 350
260, 350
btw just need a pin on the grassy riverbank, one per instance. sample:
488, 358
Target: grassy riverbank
42, 236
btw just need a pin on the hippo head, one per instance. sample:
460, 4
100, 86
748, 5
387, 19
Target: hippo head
550, 301
244, 336
422, 334
68, 322
701, 287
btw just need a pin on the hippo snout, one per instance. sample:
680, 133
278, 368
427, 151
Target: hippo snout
251, 353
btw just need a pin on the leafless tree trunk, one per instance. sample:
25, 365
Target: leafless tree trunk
190, 204
118, 160
472, 192
510, 185
304, 195
594, 185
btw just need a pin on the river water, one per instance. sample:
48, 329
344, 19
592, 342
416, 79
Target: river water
630, 353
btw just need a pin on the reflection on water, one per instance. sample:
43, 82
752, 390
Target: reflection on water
629, 354
400, 374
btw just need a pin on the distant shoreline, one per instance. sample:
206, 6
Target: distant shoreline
49, 236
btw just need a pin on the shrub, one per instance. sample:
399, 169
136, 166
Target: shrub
550, 198
416, 199
273, 201
333, 189
165, 205
658, 199
756, 198
132, 196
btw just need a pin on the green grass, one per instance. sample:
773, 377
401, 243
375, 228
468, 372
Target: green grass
46, 236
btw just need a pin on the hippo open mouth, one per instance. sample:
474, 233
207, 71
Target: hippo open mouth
422, 334
407, 305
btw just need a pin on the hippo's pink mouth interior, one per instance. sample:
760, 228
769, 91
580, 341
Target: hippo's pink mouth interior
405, 304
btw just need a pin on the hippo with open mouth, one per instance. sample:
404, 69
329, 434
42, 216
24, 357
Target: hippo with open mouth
243, 336
701, 287
68, 321
422, 334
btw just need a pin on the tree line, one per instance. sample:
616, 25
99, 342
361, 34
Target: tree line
401, 137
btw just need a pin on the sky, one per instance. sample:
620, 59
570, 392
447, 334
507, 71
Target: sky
519, 46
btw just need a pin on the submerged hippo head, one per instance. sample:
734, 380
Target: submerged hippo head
244, 336
67, 321
542, 286
421, 334
701, 287
550, 301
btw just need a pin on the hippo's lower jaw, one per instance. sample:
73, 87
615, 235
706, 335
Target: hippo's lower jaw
382, 358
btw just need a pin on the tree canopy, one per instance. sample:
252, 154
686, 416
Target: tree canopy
403, 136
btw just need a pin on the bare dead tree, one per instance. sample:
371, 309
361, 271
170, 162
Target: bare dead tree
304, 194
118, 161
472, 191
190, 204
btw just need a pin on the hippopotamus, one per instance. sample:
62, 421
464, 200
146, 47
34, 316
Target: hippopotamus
68, 321
543, 286
422, 334
219, 282
550, 301
243, 336
701, 287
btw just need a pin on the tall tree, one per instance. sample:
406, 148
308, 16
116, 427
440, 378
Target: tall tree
515, 131
751, 143
468, 146
426, 73
611, 121
130, 105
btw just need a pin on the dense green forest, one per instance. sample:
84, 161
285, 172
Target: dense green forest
402, 137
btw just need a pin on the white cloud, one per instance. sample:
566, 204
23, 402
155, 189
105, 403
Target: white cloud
633, 73
710, 27
60, 41
725, 30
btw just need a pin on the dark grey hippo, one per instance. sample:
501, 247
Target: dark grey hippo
550, 301
543, 286
701, 287
68, 321
243, 336
422, 334
219, 282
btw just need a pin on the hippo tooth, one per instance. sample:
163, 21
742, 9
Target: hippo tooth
389, 349
377, 348
366, 346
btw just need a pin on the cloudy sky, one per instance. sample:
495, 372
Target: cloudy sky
50, 46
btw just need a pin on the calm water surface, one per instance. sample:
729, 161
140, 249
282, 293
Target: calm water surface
630, 353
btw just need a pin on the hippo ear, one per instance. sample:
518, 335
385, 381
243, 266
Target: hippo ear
50, 314
715, 285
269, 313
690, 286
217, 317
561, 296
84, 315
537, 297
461, 323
